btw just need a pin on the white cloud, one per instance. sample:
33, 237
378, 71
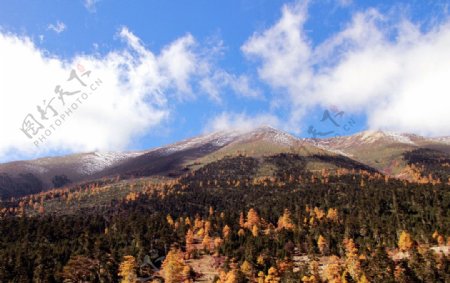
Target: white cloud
137, 92
390, 69
240, 122
90, 5
344, 3
59, 27
220, 80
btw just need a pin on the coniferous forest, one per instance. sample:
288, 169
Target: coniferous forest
227, 222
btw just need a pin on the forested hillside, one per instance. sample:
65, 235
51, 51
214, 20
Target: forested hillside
294, 225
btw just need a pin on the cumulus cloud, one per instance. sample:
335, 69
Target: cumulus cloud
59, 27
393, 70
227, 121
136, 91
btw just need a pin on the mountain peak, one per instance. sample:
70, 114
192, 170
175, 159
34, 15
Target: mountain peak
371, 136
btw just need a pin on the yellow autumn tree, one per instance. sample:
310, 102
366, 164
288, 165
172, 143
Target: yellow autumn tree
255, 231
332, 271
173, 266
441, 240
260, 278
217, 243
319, 213
206, 243
405, 241
363, 279
314, 270
190, 241
170, 220
332, 214
352, 262
322, 244
260, 260
241, 220
247, 269
186, 273
231, 277
272, 276
228, 277
207, 227
198, 223
309, 279
252, 219
127, 269
285, 221
226, 231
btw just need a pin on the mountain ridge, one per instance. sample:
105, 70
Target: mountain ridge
383, 151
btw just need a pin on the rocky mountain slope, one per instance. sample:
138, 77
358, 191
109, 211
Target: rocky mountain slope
381, 150
385, 151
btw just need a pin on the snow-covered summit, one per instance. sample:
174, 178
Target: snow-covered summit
97, 161
374, 136
225, 137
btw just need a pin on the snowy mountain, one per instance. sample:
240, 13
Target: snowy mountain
381, 150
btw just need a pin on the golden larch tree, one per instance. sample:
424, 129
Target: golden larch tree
247, 269
272, 276
332, 271
241, 220
127, 269
190, 241
252, 219
173, 266
332, 214
285, 221
322, 244
255, 231
352, 262
226, 231
405, 241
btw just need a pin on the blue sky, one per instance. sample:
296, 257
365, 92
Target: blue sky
228, 64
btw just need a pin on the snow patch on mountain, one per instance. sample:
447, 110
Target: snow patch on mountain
97, 161
217, 139
269, 134
34, 168
224, 138
374, 136
445, 140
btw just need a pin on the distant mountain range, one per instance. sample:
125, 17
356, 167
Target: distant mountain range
389, 153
